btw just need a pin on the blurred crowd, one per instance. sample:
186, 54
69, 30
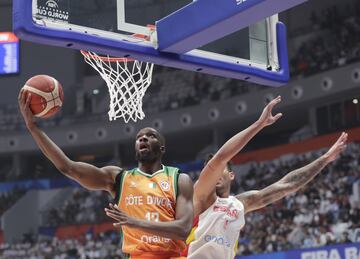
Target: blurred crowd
105, 246
334, 41
174, 89
81, 207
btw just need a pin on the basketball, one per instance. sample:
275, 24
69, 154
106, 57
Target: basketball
47, 95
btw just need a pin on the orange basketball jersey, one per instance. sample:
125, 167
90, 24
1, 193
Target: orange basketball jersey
153, 198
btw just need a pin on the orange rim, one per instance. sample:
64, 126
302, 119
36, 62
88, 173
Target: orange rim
87, 54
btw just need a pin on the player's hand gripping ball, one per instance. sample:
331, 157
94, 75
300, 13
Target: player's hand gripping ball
47, 95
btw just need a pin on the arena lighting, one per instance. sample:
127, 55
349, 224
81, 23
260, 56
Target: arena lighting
355, 101
96, 91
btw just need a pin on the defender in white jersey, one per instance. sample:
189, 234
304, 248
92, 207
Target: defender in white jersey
219, 217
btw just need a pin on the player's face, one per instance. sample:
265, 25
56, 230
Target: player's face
225, 180
148, 146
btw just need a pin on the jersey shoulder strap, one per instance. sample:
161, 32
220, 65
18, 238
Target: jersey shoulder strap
171, 170
174, 172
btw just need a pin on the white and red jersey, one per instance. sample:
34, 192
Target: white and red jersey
216, 231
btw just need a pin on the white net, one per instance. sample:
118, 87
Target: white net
127, 81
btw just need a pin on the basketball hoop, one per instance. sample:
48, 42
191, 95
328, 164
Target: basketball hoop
127, 81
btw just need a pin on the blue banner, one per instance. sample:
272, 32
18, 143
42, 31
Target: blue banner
344, 251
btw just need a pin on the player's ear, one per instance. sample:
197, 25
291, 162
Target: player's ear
162, 149
231, 175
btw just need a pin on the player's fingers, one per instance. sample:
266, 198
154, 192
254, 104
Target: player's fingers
23, 97
28, 99
113, 216
115, 209
343, 143
278, 116
275, 101
20, 95
115, 212
341, 148
342, 138
106, 209
118, 209
278, 99
114, 206
110, 210
342, 135
339, 139
345, 137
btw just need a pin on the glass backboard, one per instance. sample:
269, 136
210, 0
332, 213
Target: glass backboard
120, 19
257, 53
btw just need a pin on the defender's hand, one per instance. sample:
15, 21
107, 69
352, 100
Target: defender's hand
122, 219
337, 148
24, 99
266, 117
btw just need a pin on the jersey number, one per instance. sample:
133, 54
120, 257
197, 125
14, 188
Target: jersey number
152, 216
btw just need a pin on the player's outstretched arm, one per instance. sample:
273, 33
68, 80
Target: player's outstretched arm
87, 175
293, 181
211, 173
179, 229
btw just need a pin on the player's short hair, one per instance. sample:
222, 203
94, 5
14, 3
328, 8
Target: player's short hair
228, 164
161, 138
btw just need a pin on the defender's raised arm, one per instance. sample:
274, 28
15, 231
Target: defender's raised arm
204, 189
293, 181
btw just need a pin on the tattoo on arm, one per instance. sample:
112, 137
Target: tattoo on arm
276, 194
300, 177
290, 183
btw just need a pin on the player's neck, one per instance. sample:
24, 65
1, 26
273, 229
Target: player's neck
223, 193
150, 168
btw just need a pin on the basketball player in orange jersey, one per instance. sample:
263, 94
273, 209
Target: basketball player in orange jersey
156, 200
219, 217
